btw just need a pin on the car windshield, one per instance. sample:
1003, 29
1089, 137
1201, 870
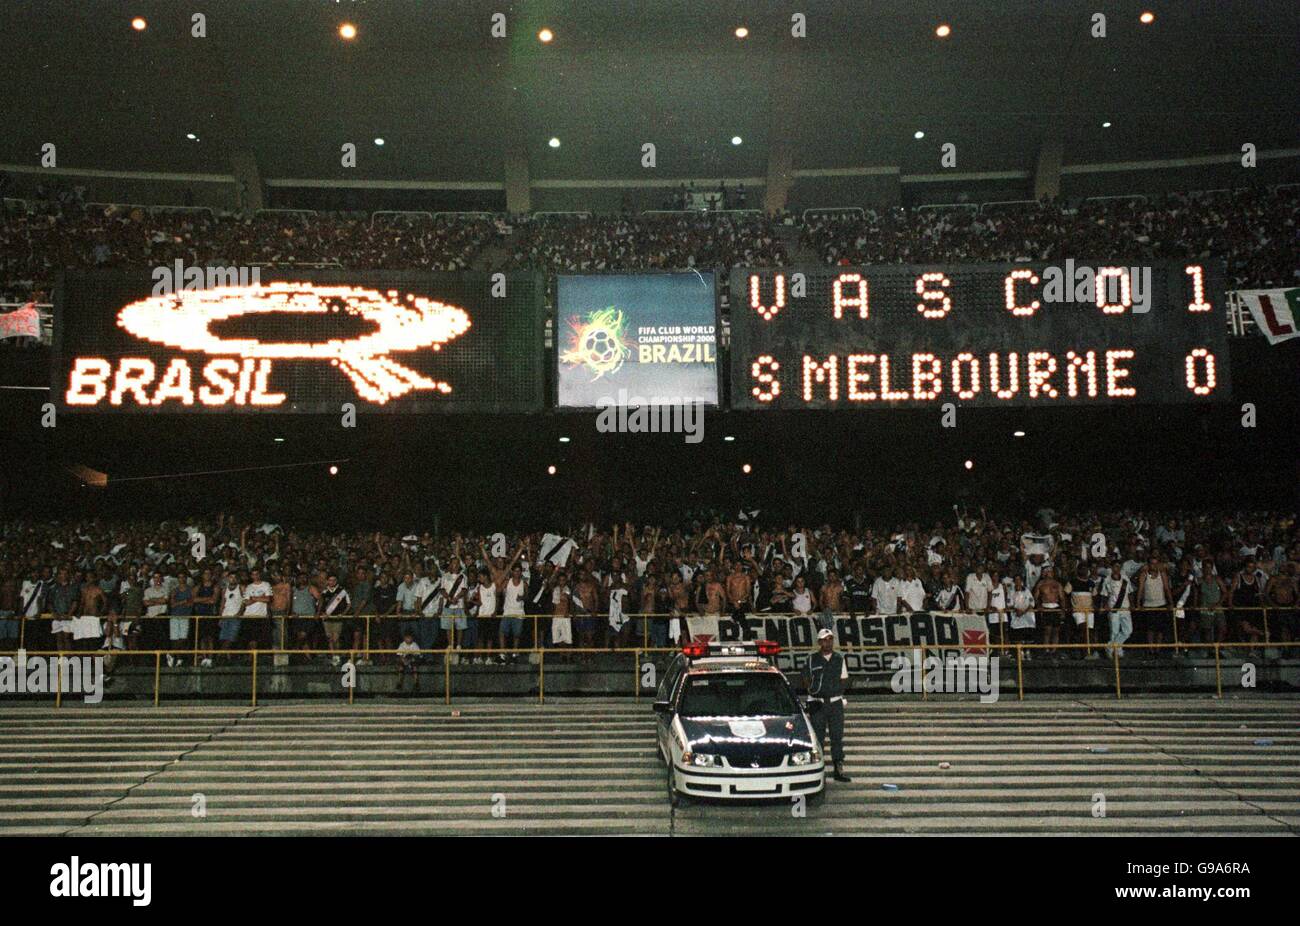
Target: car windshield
736, 695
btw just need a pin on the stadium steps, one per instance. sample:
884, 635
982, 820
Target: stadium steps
1187, 766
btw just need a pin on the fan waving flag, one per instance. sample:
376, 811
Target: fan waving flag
23, 323
1275, 312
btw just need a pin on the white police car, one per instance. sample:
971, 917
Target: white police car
730, 727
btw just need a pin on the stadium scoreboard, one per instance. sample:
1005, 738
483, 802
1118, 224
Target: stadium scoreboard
257, 340
1028, 334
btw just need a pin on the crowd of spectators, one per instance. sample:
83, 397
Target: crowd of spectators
34, 245
1255, 230
1102, 579
704, 241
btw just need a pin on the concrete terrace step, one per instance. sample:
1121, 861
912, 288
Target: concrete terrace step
589, 766
713, 824
128, 813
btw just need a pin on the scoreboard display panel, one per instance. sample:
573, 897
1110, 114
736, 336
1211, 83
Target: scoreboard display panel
636, 339
1027, 334
273, 340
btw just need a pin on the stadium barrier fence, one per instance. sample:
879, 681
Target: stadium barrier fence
452, 652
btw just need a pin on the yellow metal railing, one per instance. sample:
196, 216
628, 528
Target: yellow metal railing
636, 653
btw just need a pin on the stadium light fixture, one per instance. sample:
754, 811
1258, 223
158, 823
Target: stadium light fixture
1147, 18
970, 464
918, 134
943, 31
550, 470
139, 24
1018, 434
191, 136
334, 470
1105, 125
554, 143
564, 440
736, 139
379, 142
729, 438
741, 32
279, 440
747, 469
545, 36
348, 31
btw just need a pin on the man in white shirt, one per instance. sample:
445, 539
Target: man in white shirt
997, 610
31, 601
482, 616
1020, 606
884, 591
911, 591
453, 592
232, 606
407, 605
335, 602
257, 603
512, 608
408, 660
1117, 594
427, 594
978, 586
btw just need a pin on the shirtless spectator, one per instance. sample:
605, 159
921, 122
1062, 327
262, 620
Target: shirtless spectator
832, 599
1280, 595
561, 606
680, 596
712, 595
87, 629
587, 593
1049, 595
739, 589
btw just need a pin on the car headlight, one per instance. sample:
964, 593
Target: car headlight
803, 758
702, 759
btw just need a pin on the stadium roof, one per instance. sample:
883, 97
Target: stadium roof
450, 100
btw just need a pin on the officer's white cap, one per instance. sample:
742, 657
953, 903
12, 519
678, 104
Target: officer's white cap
824, 633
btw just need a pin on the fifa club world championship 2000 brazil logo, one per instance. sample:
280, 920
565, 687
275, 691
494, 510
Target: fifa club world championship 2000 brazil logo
599, 343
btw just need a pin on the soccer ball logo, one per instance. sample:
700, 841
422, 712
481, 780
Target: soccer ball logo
600, 347
598, 343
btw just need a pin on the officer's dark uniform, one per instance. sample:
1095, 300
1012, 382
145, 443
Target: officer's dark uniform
825, 677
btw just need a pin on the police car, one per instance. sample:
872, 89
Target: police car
730, 727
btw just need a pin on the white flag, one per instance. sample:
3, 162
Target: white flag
555, 549
1274, 311
702, 627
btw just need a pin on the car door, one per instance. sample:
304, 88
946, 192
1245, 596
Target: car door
666, 691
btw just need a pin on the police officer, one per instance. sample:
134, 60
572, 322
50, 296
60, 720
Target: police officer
825, 676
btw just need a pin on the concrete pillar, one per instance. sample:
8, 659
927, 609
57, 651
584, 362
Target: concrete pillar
518, 192
780, 176
1047, 170
249, 196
